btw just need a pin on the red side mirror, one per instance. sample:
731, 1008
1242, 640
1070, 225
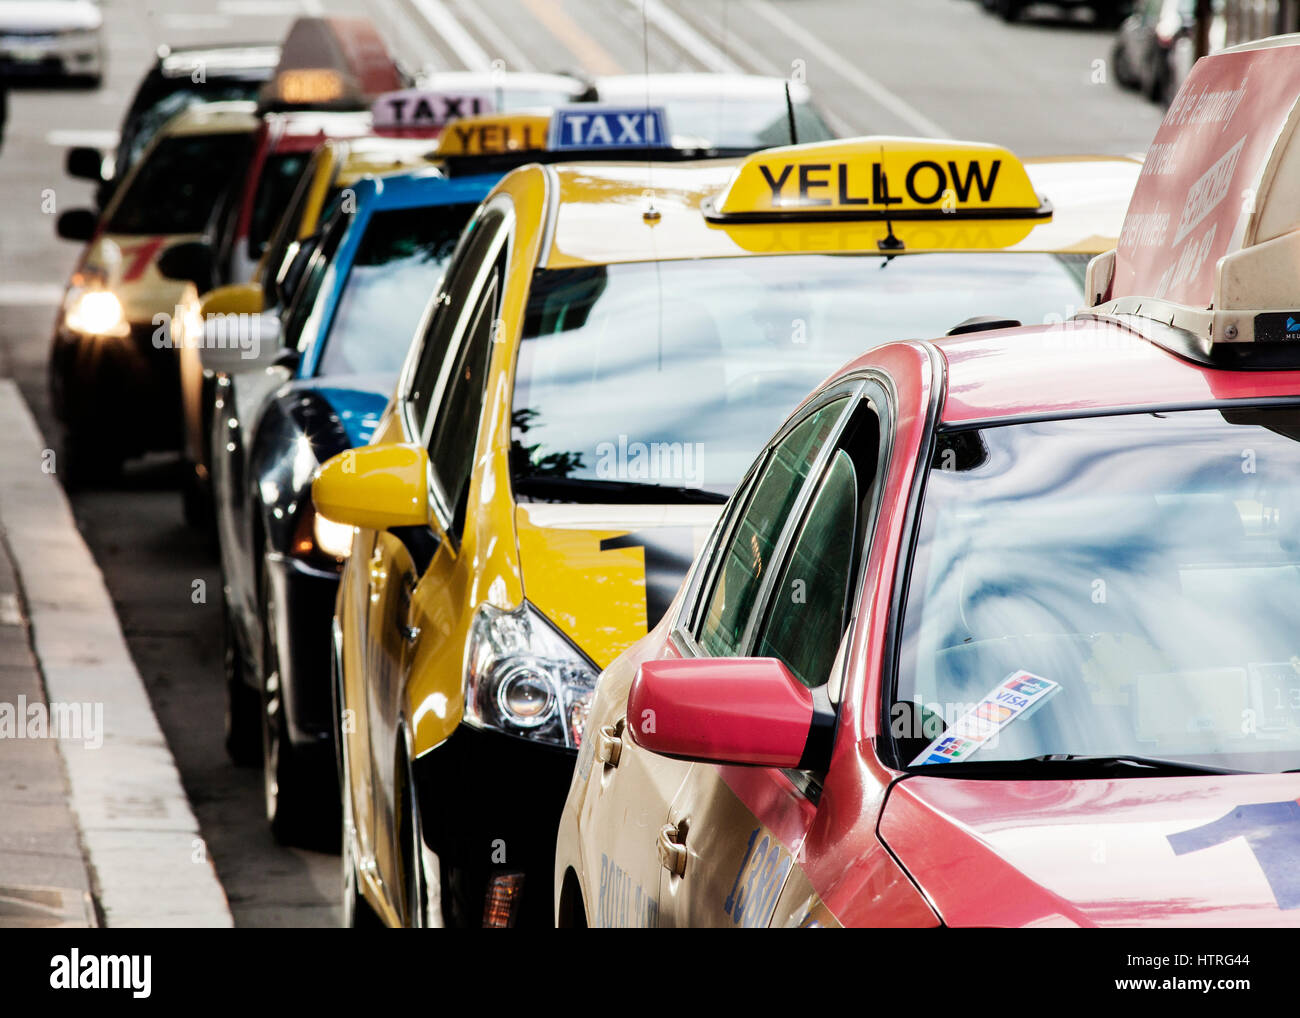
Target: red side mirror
724, 710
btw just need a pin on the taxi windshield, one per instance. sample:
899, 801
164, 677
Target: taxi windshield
397, 265
741, 123
1143, 570
152, 111
176, 187
702, 360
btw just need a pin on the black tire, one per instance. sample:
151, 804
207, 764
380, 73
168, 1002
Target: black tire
415, 883
356, 912
243, 705
1124, 75
87, 462
1009, 10
302, 806
1158, 87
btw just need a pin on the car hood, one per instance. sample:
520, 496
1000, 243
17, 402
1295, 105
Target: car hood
48, 15
357, 400
606, 573
128, 265
1175, 851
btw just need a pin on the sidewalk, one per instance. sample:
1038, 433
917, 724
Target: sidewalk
100, 811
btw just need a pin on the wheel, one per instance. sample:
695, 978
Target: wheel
1009, 10
1158, 87
301, 806
356, 911
243, 738
86, 462
1124, 75
415, 890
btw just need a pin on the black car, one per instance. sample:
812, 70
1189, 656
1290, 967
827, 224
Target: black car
178, 79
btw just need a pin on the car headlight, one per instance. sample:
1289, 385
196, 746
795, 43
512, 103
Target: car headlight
331, 537
524, 678
95, 313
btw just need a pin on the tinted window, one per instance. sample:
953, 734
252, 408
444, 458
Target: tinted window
162, 102
809, 606
747, 556
708, 358
1147, 565
462, 274
176, 188
455, 431
280, 176
396, 267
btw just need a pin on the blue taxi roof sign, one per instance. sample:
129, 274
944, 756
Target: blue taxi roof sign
592, 127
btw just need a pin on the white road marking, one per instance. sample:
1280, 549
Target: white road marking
899, 107
30, 294
687, 37
10, 613
436, 13
195, 22
265, 8
69, 137
516, 59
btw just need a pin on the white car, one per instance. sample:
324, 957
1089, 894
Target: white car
40, 38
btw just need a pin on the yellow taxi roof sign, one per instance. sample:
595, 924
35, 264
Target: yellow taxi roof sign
494, 134
879, 178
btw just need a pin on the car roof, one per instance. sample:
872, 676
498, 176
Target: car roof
372, 156
693, 84
233, 117
296, 130
600, 220
1081, 367
231, 61
509, 81
426, 186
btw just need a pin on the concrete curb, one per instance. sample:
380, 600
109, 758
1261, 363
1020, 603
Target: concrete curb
141, 840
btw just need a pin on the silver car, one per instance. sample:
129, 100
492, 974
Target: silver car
52, 38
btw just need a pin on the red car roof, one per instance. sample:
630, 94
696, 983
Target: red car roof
1084, 366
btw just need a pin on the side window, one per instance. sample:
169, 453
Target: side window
456, 289
809, 606
455, 428
745, 557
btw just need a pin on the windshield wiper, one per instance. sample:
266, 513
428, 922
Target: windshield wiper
581, 489
1130, 764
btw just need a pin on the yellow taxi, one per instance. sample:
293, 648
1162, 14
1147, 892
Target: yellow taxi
612, 344
336, 165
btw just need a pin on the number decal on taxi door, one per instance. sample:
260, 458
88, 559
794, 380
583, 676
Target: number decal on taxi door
759, 880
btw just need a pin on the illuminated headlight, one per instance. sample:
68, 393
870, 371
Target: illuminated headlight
95, 313
332, 538
523, 677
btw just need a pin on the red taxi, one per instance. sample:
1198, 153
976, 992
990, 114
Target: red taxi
999, 630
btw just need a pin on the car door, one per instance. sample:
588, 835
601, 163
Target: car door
399, 561
741, 828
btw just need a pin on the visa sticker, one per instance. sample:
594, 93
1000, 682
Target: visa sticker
589, 126
1016, 696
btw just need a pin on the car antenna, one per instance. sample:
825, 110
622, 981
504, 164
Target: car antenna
889, 242
789, 114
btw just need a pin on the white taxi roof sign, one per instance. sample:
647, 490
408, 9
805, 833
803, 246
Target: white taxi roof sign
332, 62
1211, 241
879, 178
424, 112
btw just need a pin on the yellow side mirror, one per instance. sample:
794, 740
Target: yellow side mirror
376, 487
237, 299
